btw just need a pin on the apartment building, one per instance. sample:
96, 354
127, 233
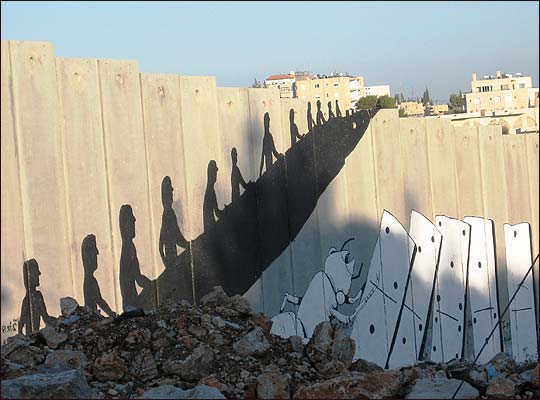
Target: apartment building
502, 92
412, 108
436, 109
285, 83
326, 88
380, 90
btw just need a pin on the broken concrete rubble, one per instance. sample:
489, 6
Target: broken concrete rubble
220, 344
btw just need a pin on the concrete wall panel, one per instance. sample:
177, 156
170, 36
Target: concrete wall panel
126, 157
12, 240
166, 157
86, 175
35, 101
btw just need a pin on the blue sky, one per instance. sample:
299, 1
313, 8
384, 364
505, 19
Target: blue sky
408, 45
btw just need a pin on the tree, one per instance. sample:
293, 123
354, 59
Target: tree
456, 103
256, 84
366, 103
386, 102
425, 98
402, 113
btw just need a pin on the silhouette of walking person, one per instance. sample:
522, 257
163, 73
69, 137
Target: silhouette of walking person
91, 292
338, 111
210, 205
330, 112
33, 307
269, 148
320, 116
294, 129
130, 271
170, 235
236, 177
310, 121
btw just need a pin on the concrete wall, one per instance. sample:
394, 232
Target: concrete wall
81, 137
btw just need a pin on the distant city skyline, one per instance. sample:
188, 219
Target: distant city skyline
409, 46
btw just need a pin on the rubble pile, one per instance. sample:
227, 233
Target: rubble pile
221, 349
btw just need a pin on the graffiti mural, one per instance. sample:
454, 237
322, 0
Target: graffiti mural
154, 191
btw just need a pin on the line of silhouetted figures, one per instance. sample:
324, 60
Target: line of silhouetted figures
239, 241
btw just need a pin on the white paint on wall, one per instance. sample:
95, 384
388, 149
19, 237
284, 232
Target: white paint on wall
517, 241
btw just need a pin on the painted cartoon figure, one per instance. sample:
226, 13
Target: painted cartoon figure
328, 290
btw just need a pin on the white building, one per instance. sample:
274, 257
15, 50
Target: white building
380, 90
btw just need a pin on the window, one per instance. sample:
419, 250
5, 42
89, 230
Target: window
317, 97
336, 84
522, 86
505, 87
497, 99
316, 86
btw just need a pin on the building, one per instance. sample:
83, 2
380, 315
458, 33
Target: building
380, 90
412, 108
436, 109
285, 83
356, 86
504, 92
327, 88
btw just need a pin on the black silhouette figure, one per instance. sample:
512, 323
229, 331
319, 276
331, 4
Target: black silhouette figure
236, 177
170, 235
210, 205
294, 129
33, 307
269, 148
92, 294
129, 263
320, 118
338, 111
330, 112
310, 121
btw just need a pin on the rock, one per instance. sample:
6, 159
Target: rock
240, 305
66, 359
68, 305
109, 367
69, 321
531, 376
194, 367
501, 363
457, 369
216, 297
160, 343
173, 392
214, 382
52, 337
253, 343
500, 388
375, 385
144, 366
441, 388
361, 365
138, 338
478, 378
69, 384
273, 386
330, 350
18, 349
296, 344
440, 375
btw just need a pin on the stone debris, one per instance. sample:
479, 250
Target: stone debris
221, 349
68, 305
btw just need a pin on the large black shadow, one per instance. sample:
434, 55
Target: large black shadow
255, 229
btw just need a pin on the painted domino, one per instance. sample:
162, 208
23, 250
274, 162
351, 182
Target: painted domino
384, 294
428, 240
449, 304
517, 241
483, 287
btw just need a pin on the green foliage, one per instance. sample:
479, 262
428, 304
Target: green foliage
256, 84
425, 98
402, 113
366, 103
386, 102
369, 102
456, 103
